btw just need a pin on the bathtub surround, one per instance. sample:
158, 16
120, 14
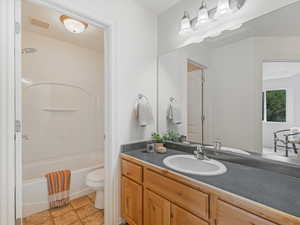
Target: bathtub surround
72, 79
63, 97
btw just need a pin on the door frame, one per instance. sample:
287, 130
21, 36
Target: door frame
7, 117
10, 111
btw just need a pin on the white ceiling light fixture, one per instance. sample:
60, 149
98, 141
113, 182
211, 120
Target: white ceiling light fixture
223, 9
185, 26
203, 17
73, 25
212, 22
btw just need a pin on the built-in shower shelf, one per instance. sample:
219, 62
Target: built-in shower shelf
60, 110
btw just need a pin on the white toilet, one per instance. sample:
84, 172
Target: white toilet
95, 180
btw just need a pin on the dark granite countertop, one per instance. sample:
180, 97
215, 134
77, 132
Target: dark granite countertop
278, 191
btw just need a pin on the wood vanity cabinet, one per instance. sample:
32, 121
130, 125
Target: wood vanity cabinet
230, 215
159, 211
156, 209
180, 216
155, 196
132, 197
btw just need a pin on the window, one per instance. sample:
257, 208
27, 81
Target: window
274, 102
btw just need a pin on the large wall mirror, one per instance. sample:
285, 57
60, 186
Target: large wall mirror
240, 89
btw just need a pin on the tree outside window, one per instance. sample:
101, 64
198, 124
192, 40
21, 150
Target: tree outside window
275, 105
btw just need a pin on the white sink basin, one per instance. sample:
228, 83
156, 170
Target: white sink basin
189, 164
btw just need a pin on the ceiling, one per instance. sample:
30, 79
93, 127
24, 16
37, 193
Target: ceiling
282, 22
158, 6
278, 70
92, 38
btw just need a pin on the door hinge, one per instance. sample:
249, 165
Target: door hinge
202, 118
18, 126
17, 27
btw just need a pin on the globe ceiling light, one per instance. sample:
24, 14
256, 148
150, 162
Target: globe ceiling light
73, 25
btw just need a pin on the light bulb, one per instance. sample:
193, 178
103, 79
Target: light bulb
186, 26
72, 25
203, 16
223, 8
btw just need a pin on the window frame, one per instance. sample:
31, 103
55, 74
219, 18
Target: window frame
264, 92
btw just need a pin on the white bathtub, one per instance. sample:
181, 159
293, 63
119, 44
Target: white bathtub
35, 191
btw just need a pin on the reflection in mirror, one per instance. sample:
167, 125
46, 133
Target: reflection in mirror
237, 92
281, 108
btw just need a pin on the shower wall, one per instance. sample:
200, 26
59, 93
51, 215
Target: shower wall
63, 106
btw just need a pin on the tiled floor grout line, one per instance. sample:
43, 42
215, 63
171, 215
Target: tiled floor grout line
77, 210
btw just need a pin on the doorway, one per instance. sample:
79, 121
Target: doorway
195, 102
109, 125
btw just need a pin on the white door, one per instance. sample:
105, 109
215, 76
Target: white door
195, 106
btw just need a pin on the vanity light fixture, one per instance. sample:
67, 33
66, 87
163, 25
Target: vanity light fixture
203, 16
219, 18
223, 9
186, 26
73, 25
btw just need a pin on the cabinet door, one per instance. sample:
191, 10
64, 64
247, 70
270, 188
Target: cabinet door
156, 209
180, 216
132, 202
230, 215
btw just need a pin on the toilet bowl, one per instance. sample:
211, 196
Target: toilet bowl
95, 180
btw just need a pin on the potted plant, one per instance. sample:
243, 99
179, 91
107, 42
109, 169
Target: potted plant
172, 136
158, 140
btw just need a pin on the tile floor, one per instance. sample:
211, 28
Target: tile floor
80, 211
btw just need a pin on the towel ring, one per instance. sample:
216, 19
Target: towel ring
139, 98
172, 99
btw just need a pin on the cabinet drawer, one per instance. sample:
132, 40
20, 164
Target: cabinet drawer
132, 171
188, 198
230, 215
180, 216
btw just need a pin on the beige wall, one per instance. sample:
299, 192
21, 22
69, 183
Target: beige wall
233, 87
237, 87
64, 77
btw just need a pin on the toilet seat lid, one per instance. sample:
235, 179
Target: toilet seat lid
96, 175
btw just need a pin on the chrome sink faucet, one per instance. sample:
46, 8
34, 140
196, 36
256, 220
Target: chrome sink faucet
200, 152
